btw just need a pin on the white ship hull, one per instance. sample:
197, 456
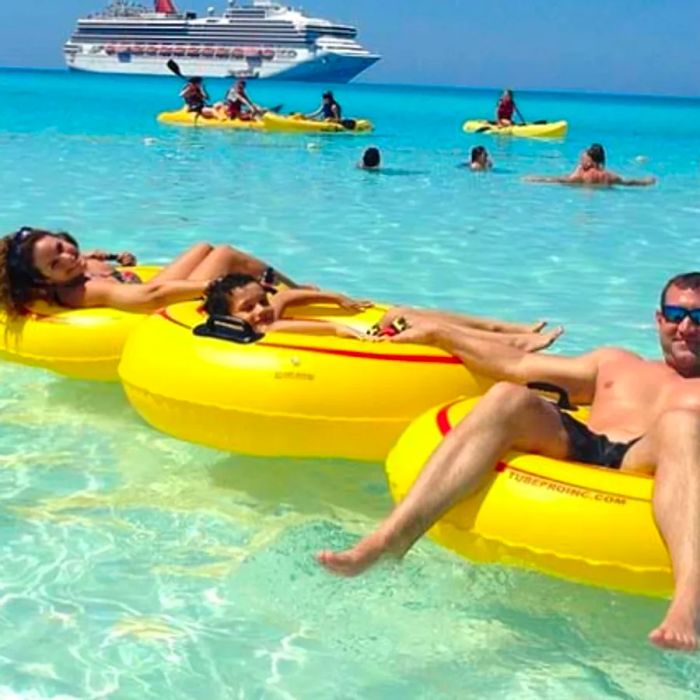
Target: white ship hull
262, 39
319, 67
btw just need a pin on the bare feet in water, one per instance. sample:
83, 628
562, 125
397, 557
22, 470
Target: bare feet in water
532, 342
355, 560
679, 629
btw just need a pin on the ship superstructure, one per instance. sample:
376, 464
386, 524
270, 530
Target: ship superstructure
262, 39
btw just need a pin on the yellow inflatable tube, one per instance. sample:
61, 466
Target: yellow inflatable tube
286, 394
78, 343
584, 523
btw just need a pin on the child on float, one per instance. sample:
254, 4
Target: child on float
250, 300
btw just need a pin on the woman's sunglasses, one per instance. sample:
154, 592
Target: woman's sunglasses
677, 314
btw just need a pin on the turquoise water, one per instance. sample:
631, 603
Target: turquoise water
137, 566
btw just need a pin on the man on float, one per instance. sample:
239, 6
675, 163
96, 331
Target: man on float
645, 417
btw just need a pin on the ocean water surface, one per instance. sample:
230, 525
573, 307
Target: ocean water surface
135, 565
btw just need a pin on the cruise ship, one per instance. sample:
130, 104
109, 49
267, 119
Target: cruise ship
262, 39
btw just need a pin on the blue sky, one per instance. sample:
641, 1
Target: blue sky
639, 46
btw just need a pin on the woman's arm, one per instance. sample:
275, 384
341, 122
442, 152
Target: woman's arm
136, 298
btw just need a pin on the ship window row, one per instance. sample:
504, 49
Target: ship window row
282, 26
207, 38
160, 40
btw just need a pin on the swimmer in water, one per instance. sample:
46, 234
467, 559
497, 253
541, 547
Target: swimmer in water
591, 171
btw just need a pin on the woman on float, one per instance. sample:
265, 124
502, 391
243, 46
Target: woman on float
36, 264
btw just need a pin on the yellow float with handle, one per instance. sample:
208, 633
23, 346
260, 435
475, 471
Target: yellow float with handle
77, 343
285, 394
584, 523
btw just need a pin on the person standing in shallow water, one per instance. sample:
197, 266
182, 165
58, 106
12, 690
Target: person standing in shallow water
645, 417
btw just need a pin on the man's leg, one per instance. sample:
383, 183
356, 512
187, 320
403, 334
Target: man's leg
508, 416
673, 444
464, 320
529, 341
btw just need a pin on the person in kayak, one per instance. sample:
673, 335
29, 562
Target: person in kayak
505, 108
238, 105
36, 264
249, 299
371, 159
329, 110
591, 171
196, 97
479, 159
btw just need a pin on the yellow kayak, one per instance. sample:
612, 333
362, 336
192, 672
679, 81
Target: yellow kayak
572, 520
542, 130
183, 117
296, 123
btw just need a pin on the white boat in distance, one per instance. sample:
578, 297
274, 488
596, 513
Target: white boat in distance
262, 39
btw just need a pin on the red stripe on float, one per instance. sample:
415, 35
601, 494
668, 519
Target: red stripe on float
358, 354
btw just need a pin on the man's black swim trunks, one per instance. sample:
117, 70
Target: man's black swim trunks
590, 448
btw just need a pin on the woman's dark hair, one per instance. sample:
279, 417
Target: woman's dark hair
217, 301
328, 95
371, 158
478, 152
596, 153
20, 281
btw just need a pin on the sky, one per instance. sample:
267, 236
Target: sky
630, 46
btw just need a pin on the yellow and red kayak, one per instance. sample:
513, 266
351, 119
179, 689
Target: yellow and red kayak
550, 130
576, 521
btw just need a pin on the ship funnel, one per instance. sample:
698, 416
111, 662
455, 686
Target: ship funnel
166, 7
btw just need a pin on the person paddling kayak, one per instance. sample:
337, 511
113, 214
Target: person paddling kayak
196, 97
505, 108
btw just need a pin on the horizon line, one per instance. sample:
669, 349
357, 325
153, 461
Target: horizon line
442, 86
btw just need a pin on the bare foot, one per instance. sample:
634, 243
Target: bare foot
517, 328
353, 561
679, 630
532, 342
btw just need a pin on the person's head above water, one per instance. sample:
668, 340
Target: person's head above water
32, 258
328, 96
678, 323
195, 80
241, 296
371, 158
480, 156
593, 157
